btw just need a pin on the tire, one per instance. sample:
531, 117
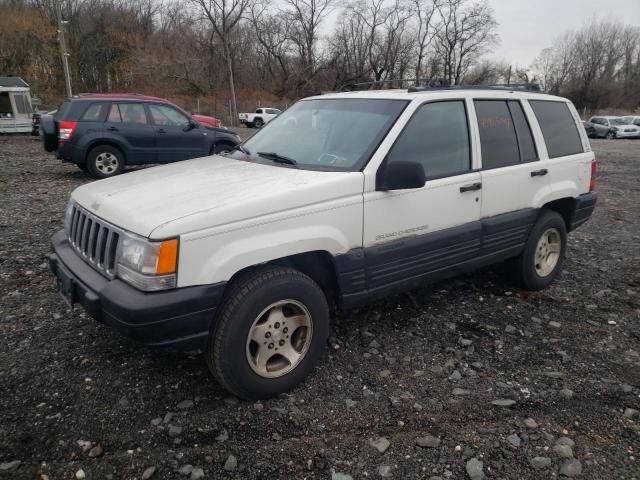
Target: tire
611, 135
258, 123
222, 148
257, 302
541, 261
49, 132
105, 161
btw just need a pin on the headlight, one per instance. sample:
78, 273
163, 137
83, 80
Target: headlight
67, 218
148, 265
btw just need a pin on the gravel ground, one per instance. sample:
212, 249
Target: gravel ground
464, 379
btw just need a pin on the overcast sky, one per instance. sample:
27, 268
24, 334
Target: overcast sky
528, 26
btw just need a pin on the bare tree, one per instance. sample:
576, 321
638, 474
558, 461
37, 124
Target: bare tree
424, 13
467, 32
224, 16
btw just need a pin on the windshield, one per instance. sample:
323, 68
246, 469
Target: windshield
618, 121
325, 134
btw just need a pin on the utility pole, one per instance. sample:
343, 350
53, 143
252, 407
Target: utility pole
63, 47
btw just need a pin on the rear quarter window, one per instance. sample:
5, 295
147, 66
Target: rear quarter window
558, 128
95, 112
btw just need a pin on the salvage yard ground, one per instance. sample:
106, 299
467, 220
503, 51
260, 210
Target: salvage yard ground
424, 385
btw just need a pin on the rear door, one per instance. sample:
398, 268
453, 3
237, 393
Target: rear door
514, 177
176, 138
127, 123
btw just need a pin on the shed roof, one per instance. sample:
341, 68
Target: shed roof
13, 82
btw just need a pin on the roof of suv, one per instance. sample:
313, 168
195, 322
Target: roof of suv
119, 96
404, 94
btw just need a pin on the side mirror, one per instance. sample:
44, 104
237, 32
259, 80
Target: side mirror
400, 175
192, 124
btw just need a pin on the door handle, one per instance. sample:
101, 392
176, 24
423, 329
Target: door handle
471, 188
161, 130
112, 129
539, 173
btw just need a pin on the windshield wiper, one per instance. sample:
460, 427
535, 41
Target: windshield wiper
274, 157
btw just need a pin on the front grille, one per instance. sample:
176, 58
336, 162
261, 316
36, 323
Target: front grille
94, 240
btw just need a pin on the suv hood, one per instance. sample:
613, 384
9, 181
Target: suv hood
183, 197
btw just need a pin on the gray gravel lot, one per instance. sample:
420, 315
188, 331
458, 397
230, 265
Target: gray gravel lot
463, 379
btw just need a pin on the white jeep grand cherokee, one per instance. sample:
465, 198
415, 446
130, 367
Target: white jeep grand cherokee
342, 199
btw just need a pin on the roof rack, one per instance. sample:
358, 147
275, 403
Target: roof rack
529, 87
429, 82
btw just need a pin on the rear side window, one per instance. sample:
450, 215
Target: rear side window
127, 113
62, 110
95, 113
558, 128
505, 136
437, 136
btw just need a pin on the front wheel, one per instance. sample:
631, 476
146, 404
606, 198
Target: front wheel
541, 261
270, 333
105, 161
258, 123
611, 135
222, 149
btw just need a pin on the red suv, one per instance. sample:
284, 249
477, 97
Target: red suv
101, 133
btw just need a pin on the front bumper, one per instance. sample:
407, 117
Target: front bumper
177, 318
621, 134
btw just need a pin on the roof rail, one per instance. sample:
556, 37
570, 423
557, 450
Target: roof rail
430, 82
530, 87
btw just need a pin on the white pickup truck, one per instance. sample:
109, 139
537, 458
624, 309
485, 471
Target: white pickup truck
343, 199
261, 117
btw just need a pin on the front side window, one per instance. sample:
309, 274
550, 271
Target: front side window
325, 134
505, 136
437, 136
618, 122
164, 115
559, 128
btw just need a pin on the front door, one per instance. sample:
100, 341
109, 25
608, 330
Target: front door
176, 137
412, 235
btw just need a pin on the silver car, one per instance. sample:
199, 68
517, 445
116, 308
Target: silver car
614, 127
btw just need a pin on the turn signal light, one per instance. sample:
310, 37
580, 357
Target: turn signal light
167, 257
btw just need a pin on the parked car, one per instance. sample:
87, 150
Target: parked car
631, 120
101, 133
590, 128
614, 127
343, 199
207, 121
261, 117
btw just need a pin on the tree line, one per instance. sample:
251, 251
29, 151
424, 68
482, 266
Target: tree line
206, 53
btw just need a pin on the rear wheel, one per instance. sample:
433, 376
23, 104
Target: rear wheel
270, 333
105, 161
541, 261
